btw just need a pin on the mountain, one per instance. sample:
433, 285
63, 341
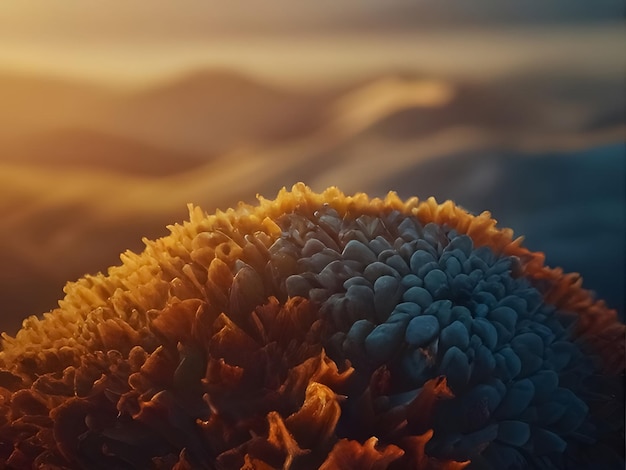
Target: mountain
204, 112
430, 106
215, 111
407, 106
30, 103
97, 151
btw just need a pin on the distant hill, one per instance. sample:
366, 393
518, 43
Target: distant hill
407, 106
88, 149
468, 106
207, 111
215, 111
32, 103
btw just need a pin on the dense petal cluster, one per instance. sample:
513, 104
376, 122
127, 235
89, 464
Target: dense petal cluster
320, 331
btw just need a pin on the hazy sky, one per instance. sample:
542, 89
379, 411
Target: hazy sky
138, 39
167, 19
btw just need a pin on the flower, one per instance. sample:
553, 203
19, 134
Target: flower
320, 331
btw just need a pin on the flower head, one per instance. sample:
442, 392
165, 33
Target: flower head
320, 331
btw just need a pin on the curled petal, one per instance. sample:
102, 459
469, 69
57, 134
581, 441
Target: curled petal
351, 455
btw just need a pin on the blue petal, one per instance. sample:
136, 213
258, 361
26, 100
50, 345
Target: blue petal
505, 315
422, 330
461, 446
463, 243
436, 282
559, 354
359, 331
517, 398
486, 331
433, 234
486, 254
379, 244
360, 303
515, 302
452, 267
423, 245
514, 433
501, 456
398, 263
418, 295
551, 412
484, 364
529, 348
386, 296
384, 341
501, 266
417, 366
357, 281
353, 344
411, 280
442, 309
408, 307
461, 284
355, 250
454, 334
484, 297
455, 367
545, 382
426, 268
574, 415
509, 366
546, 442
408, 230
504, 335
478, 263
479, 403
377, 269
463, 315
419, 259
297, 285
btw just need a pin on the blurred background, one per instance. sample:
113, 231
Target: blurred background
114, 115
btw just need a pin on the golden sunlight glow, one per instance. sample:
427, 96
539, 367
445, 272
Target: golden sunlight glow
369, 104
138, 58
